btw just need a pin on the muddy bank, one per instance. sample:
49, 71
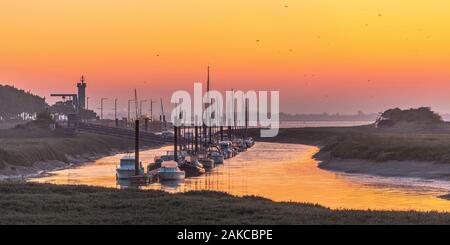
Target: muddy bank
409, 169
27, 152
41, 168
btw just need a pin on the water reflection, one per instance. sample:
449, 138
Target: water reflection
281, 172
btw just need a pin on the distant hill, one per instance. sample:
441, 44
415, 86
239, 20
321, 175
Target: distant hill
14, 101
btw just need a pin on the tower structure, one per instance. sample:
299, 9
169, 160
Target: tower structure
81, 93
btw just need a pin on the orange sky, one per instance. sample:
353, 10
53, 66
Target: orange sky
323, 56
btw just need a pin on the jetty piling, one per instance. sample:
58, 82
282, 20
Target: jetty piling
136, 153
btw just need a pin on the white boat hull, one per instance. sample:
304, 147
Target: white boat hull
124, 174
172, 175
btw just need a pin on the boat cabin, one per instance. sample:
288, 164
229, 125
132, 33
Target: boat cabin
127, 162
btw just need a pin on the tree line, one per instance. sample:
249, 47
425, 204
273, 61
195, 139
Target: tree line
14, 101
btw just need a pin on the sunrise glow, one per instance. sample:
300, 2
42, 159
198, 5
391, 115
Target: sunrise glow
323, 56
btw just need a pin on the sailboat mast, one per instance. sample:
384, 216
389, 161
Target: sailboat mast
209, 104
207, 81
163, 116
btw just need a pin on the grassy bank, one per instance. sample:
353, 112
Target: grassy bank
403, 142
24, 147
49, 204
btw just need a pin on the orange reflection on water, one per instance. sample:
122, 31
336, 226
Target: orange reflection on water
281, 172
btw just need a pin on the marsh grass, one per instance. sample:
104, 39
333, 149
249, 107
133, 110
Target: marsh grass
23, 147
25, 203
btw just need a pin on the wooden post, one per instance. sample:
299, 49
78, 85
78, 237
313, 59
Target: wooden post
179, 134
175, 143
136, 144
196, 139
146, 124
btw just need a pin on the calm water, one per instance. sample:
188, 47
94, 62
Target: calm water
281, 172
309, 124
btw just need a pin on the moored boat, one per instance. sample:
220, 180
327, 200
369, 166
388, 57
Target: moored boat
249, 142
227, 149
170, 171
192, 167
170, 156
239, 145
207, 163
167, 135
217, 157
126, 168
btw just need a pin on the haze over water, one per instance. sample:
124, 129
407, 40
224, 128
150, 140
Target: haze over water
281, 172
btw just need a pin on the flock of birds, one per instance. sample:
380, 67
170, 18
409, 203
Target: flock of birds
291, 50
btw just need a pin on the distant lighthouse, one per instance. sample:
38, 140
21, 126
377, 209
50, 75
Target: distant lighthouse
81, 93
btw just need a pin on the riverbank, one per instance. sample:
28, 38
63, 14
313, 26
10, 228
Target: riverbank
391, 168
25, 203
407, 150
31, 152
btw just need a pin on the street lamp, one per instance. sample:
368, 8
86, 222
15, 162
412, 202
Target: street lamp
101, 107
140, 107
129, 108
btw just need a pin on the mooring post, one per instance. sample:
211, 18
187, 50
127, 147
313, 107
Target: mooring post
136, 144
146, 124
182, 143
175, 143
205, 137
210, 135
196, 139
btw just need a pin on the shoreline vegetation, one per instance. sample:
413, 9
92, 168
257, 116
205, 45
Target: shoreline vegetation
30, 152
26, 203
